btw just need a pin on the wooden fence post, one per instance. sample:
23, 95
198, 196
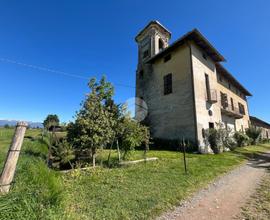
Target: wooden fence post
12, 158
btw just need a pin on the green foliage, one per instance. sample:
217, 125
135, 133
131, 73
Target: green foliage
218, 138
133, 135
122, 193
92, 128
63, 154
6, 126
254, 133
37, 191
51, 120
241, 139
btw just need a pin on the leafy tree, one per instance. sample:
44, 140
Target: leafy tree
254, 133
6, 126
93, 124
51, 120
133, 135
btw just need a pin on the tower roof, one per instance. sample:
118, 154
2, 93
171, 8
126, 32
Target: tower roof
153, 23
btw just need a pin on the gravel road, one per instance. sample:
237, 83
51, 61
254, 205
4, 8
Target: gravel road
224, 198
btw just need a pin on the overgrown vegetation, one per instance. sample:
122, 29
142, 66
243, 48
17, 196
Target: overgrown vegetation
100, 123
135, 192
220, 138
254, 133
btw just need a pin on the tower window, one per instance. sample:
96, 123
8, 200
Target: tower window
145, 53
167, 84
160, 45
141, 74
204, 56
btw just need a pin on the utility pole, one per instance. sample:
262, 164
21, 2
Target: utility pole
12, 158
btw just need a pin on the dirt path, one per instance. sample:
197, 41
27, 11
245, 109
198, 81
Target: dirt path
224, 198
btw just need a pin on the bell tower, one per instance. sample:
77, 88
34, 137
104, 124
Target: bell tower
151, 40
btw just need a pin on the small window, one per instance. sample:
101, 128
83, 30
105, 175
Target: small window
167, 84
204, 56
167, 58
241, 109
211, 125
141, 74
224, 100
145, 53
160, 45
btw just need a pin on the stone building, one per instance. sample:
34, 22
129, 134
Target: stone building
185, 87
263, 125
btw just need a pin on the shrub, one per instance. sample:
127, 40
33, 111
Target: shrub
218, 138
254, 133
230, 143
241, 139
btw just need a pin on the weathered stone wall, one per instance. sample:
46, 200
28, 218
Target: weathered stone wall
170, 116
202, 66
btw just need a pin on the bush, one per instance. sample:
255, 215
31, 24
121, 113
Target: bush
218, 138
254, 134
241, 139
230, 143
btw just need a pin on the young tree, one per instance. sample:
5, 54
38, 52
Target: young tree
133, 135
93, 124
51, 120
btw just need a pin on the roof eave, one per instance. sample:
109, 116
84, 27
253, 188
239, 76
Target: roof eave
199, 39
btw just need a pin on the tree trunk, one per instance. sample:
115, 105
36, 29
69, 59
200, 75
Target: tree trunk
118, 151
109, 156
12, 158
94, 157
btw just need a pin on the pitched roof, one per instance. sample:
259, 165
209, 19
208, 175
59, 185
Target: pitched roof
199, 39
221, 69
154, 22
257, 120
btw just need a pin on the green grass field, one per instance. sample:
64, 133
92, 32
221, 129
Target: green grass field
141, 191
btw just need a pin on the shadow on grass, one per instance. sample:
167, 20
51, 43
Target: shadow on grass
258, 159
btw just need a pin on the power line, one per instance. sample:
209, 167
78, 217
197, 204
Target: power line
44, 69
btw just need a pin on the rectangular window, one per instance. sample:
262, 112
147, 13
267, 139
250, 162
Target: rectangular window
167, 84
241, 109
207, 85
232, 104
211, 125
167, 58
224, 100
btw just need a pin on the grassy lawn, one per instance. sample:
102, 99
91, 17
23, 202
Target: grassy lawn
140, 191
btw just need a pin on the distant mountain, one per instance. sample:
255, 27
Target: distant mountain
14, 122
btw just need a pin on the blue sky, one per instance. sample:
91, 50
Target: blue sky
91, 38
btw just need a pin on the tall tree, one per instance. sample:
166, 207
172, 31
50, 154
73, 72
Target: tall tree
93, 124
51, 120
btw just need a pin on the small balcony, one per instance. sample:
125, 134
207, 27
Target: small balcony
211, 96
231, 111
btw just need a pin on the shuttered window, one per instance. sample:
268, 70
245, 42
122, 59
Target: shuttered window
167, 84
